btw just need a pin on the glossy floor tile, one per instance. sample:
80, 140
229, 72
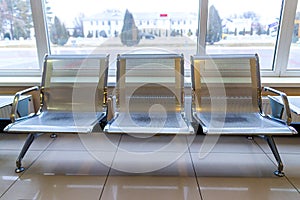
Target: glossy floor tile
7, 167
291, 164
147, 143
228, 188
112, 166
222, 144
71, 163
149, 188
155, 164
16, 141
284, 144
56, 187
235, 165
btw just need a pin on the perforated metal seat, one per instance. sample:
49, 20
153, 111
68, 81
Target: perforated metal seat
71, 99
149, 95
227, 99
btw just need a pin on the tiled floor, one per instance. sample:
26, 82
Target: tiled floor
99, 166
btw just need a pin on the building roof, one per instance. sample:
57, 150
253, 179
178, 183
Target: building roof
118, 15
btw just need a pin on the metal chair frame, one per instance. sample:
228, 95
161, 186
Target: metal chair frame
57, 109
227, 99
151, 79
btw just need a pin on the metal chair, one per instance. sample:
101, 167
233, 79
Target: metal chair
227, 99
71, 99
149, 95
279, 102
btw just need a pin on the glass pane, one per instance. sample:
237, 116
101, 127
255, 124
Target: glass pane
17, 40
98, 26
294, 62
244, 26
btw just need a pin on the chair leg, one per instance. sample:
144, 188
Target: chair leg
279, 172
25, 148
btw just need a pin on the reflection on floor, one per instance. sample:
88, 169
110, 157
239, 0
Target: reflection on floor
99, 166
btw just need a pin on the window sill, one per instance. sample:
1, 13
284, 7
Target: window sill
281, 82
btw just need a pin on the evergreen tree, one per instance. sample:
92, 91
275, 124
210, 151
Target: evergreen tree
16, 14
23, 20
78, 26
130, 34
214, 30
58, 34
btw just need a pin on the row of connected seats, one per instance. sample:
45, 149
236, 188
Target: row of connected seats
149, 98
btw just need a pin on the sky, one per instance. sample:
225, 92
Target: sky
67, 10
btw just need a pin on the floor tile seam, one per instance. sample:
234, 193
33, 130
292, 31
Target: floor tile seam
79, 150
295, 187
231, 153
194, 170
174, 152
17, 179
109, 170
270, 156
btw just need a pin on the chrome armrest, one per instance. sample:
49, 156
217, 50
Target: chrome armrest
13, 114
285, 103
111, 108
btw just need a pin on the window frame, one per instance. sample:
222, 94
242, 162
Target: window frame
283, 41
281, 53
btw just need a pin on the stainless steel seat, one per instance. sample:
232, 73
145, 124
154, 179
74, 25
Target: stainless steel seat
71, 99
227, 99
148, 98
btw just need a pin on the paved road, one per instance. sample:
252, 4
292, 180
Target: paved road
26, 58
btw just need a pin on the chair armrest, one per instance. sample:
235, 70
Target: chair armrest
285, 103
13, 114
111, 108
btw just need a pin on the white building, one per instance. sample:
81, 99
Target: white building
110, 22
237, 25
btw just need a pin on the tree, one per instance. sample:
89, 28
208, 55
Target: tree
58, 34
214, 30
23, 20
15, 18
78, 26
250, 15
130, 35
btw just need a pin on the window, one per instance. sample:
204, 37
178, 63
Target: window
246, 27
155, 33
269, 28
17, 38
294, 61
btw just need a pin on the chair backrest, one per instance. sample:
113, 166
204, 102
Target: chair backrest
74, 83
226, 83
147, 80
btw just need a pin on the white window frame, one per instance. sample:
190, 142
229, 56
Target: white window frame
283, 44
282, 47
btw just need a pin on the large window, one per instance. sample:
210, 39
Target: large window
31, 28
244, 26
18, 52
294, 61
118, 26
